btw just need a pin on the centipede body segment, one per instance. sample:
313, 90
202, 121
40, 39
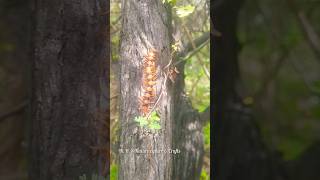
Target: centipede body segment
149, 81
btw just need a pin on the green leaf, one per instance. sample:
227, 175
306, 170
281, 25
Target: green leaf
184, 11
204, 175
141, 120
172, 2
206, 134
155, 125
154, 117
113, 172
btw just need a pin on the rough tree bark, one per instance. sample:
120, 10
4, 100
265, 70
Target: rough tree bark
70, 70
145, 25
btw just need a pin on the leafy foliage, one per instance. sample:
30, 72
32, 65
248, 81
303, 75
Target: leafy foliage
197, 84
206, 133
171, 2
204, 175
114, 172
152, 123
141, 120
287, 108
183, 11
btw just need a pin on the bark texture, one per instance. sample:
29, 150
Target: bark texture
187, 132
147, 24
70, 69
144, 26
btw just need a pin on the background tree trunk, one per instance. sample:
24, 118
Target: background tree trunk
14, 83
145, 25
70, 68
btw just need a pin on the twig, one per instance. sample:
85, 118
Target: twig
198, 42
192, 53
310, 34
207, 73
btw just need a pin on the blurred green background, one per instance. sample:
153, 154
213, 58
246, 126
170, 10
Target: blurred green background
280, 71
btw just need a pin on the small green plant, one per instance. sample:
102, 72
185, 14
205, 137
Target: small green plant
114, 172
171, 2
204, 175
152, 123
181, 11
206, 133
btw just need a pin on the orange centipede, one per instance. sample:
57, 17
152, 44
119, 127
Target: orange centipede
149, 81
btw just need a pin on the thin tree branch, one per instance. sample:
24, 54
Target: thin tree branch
19, 108
206, 72
192, 53
310, 34
197, 42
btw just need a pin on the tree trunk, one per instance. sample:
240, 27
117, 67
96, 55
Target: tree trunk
70, 70
146, 25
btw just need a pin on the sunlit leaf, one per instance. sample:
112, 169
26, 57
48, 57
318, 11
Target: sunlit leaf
155, 125
172, 2
141, 120
154, 116
184, 11
113, 172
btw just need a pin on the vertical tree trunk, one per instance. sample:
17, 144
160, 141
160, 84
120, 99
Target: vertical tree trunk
144, 26
187, 137
69, 72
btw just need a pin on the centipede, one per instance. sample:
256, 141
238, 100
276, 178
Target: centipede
149, 81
